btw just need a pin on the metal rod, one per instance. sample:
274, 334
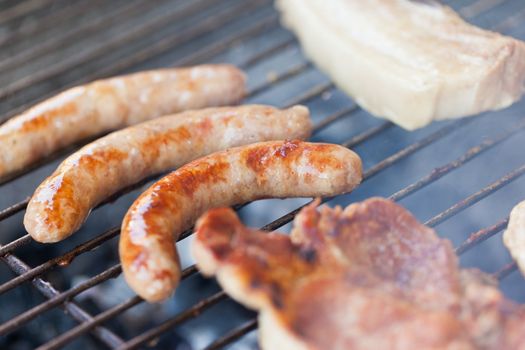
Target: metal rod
416, 146
290, 73
206, 26
422, 144
21, 9
505, 271
66, 37
268, 52
233, 335
334, 117
295, 70
371, 173
220, 18
476, 197
471, 154
13, 209
367, 134
285, 219
75, 332
51, 20
401, 154
212, 50
309, 94
25, 239
104, 316
481, 235
60, 260
56, 298
192, 312
95, 242
5, 180
45, 288
510, 22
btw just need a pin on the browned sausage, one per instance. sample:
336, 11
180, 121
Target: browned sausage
110, 104
270, 169
63, 201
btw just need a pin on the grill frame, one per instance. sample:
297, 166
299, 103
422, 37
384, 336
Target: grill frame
93, 324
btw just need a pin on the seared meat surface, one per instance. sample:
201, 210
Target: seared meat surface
366, 277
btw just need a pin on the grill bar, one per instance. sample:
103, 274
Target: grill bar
68, 150
368, 134
17, 243
385, 163
53, 19
265, 54
287, 218
476, 197
294, 71
481, 235
55, 298
48, 46
210, 51
505, 271
93, 322
17, 207
70, 335
416, 146
510, 22
30, 314
309, 94
471, 154
103, 316
334, 117
476, 8
220, 18
13, 209
46, 289
21, 9
60, 67
233, 335
206, 303
60, 260
251, 325
194, 311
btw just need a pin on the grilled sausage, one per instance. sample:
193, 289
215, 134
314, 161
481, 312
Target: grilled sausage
110, 104
238, 175
63, 201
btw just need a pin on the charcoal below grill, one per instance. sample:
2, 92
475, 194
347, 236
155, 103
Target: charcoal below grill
462, 176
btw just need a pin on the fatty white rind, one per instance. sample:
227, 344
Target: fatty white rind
408, 61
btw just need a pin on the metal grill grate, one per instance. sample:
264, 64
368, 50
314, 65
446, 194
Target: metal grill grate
468, 171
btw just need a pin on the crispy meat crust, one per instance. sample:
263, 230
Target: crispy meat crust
275, 169
367, 277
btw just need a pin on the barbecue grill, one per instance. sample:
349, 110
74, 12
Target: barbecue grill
461, 176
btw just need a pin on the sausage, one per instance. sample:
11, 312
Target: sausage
63, 201
110, 104
276, 169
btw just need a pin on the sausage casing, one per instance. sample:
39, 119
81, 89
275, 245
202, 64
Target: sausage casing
63, 201
109, 104
276, 169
